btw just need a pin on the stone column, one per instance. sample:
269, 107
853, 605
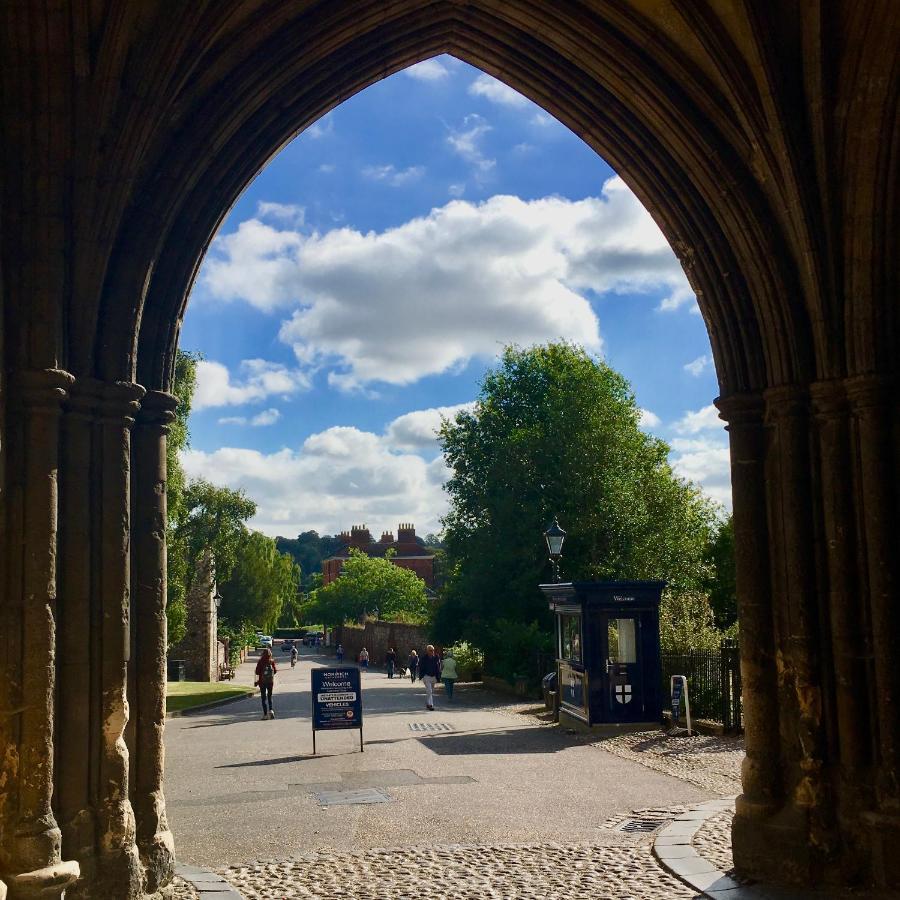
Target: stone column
31, 864
761, 773
119, 872
877, 412
78, 647
149, 648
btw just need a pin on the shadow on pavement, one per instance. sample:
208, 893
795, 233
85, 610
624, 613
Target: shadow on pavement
274, 762
507, 740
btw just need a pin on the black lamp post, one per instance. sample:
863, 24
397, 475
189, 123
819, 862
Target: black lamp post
375, 613
555, 537
217, 598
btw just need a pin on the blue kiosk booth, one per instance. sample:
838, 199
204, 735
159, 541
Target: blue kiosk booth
607, 649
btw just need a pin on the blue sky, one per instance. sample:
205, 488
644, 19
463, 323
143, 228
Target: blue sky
370, 274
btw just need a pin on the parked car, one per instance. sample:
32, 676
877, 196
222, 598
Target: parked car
287, 646
266, 641
309, 639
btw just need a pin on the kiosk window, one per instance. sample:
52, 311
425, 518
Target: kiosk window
570, 637
622, 643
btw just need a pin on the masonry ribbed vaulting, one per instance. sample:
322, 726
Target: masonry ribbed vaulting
763, 138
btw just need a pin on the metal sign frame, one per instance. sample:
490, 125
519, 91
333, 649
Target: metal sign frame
682, 681
336, 698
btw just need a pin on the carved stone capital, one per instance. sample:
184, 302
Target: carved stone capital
868, 392
157, 408
829, 399
41, 388
786, 401
740, 410
113, 403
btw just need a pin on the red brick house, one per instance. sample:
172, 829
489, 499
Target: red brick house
410, 553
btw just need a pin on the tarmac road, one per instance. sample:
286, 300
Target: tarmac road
240, 789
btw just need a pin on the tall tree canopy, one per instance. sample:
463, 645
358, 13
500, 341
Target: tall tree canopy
262, 582
367, 583
556, 432
184, 384
308, 550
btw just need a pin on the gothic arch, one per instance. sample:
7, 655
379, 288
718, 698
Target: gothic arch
765, 143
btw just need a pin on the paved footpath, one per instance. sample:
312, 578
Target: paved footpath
494, 804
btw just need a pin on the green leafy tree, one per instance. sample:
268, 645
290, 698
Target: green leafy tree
555, 431
184, 384
722, 583
365, 584
308, 550
261, 582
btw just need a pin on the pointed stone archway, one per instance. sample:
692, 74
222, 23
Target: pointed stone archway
764, 140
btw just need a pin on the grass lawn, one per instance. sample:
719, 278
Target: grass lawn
186, 694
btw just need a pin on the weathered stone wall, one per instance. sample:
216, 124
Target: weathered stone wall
378, 637
199, 646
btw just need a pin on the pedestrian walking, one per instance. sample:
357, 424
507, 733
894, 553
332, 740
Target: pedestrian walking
413, 665
449, 673
339, 652
390, 660
265, 679
293, 657
429, 672
364, 658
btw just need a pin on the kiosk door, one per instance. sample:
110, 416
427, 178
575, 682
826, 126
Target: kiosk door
624, 684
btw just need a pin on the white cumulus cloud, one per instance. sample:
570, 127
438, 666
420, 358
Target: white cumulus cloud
701, 453
427, 296
497, 92
259, 379
649, 419
705, 419
706, 462
291, 213
418, 430
427, 70
337, 478
266, 417
699, 365
466, 142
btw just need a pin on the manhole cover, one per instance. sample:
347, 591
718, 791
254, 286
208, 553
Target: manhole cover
430, 726
642, 825
361, 797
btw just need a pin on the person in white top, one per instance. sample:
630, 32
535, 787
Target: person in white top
449, 673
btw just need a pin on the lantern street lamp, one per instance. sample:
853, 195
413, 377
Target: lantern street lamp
217, 598
555, 537
375, 612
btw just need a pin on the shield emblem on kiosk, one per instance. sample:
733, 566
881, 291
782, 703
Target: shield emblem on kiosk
623, 693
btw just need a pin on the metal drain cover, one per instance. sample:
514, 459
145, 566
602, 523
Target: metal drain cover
641, 825
430, 727
361, 797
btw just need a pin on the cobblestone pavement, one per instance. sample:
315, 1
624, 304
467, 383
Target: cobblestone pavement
713, 841
544, 871
707, 761
183, 890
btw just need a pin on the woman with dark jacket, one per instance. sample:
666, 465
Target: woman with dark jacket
390, 660
429, 672
265, 678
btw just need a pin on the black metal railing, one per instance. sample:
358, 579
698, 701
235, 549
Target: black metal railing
714, 683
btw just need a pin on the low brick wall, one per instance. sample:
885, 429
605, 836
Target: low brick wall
377, 637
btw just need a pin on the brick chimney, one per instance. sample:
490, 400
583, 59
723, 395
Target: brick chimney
406, 533
360, 537
387, 537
